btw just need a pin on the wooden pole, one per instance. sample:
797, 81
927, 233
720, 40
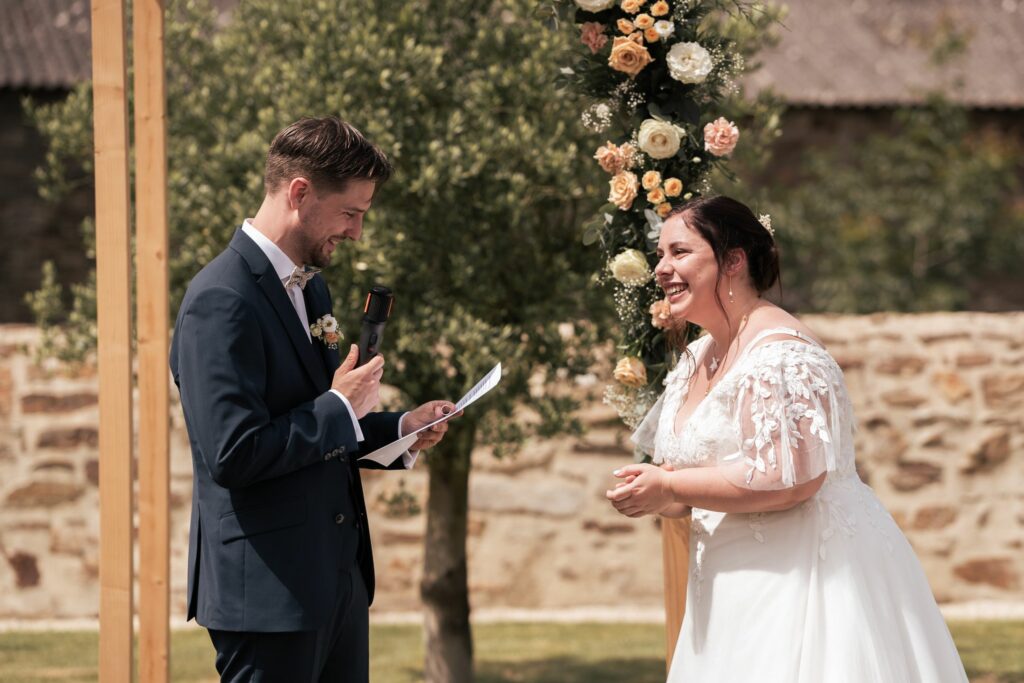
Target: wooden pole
152, 328
113, 297
675, 535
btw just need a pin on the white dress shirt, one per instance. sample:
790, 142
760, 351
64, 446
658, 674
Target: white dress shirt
284, 266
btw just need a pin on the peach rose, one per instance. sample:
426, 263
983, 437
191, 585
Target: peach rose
660, 314
643, 21
651, 180
613, 158
625, 26
628, 57
660, 8
663, 209
623, 189
656, 196
592, 35
631, 6
673, 186
721, 136
651, 35
631, 372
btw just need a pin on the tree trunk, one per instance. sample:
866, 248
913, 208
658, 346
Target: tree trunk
445, 592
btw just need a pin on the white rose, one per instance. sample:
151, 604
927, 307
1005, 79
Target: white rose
659, 139
329, 324
594, 5
630, 268
664, 29
689, 62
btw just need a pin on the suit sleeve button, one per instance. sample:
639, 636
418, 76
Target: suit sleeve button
338, 519
341, 450
327, 456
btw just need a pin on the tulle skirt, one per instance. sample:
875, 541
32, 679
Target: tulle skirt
827, 592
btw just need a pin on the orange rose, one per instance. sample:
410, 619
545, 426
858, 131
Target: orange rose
661, 314
660, 8
673, 186
656, 196
626, 26
623, 189
631, 6
644, 21
628, 57
651, 35
651, 180
663, 209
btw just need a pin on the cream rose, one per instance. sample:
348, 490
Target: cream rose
689, 63
661, 314
595, 5
658, 139
673, 186
630, 267
643, 21
631, 372
651, 180
628, 57
721, 136
624, 187
664, 29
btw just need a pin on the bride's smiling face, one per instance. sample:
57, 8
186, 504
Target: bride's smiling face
687, 271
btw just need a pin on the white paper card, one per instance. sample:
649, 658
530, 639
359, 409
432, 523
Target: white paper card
386, 455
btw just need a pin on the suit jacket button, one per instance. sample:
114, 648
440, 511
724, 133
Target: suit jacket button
338, 519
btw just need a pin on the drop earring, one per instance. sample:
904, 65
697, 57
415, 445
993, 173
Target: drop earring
732, 299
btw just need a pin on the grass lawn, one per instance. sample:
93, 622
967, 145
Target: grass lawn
993, 652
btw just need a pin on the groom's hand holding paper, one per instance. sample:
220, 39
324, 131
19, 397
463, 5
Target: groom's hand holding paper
386, 455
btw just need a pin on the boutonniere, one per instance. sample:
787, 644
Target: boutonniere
326, 330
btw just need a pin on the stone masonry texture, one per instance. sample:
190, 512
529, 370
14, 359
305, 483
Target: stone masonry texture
940, 406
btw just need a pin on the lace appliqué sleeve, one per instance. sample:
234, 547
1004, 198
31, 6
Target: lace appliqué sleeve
785, 417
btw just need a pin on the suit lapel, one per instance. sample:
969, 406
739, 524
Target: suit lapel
268, 281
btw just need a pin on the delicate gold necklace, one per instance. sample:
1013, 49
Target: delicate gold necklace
713, 365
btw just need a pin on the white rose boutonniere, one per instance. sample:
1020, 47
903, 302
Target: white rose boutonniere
326, 330
689, 63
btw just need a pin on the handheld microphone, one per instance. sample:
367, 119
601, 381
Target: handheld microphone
376, 312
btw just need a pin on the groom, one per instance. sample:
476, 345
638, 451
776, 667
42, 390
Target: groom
280, 565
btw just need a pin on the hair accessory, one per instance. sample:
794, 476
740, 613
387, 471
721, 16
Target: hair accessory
766, 220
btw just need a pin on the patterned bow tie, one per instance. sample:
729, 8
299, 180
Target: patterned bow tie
300, 276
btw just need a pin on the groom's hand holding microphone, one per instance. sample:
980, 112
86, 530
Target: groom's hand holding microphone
360, 385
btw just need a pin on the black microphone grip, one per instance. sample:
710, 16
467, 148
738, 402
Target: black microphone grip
376, 312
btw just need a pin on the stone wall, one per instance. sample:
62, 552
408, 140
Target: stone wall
939, 399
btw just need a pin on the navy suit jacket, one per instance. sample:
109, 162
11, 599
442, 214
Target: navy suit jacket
277, 504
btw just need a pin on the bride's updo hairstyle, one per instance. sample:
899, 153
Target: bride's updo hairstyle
727, 224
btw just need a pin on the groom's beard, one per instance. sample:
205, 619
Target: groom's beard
314, 253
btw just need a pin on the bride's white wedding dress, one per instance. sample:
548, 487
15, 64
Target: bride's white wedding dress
826, 592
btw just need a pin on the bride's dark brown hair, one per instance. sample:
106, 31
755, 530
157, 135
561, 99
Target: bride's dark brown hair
727, 224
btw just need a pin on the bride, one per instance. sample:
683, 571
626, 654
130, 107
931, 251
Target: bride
797, 572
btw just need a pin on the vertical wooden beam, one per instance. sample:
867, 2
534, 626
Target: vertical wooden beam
675, 535
113, 296
152, 328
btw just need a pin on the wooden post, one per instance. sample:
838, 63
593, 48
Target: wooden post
152, 329
675, 536
113, 297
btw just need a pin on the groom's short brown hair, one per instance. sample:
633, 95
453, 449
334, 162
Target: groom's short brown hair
326, 151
